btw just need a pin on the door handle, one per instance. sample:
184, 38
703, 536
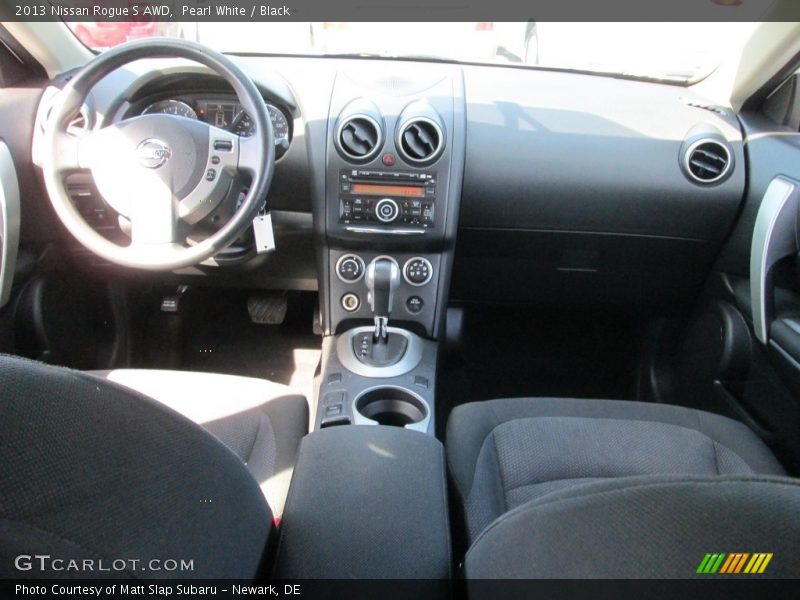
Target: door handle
775, 236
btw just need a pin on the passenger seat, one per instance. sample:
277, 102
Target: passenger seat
599, 488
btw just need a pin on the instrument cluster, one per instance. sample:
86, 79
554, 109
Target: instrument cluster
227, 114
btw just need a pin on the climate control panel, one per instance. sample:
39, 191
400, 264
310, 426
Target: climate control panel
414, 300
350, 268
417, 271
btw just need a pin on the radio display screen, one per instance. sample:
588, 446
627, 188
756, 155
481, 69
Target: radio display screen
372, 189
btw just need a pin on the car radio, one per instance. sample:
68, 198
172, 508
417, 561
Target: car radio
387, 197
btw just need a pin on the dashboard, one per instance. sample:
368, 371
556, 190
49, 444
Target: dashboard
478, 179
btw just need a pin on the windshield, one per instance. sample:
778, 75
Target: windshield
670, 51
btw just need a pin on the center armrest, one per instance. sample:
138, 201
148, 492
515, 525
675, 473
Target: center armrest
367, 502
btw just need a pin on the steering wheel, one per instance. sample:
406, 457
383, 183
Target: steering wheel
163, 173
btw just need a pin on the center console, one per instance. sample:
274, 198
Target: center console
386, 218
368, 497
367, 503
400, 394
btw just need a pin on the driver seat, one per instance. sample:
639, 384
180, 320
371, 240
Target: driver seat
121, 464
262, 422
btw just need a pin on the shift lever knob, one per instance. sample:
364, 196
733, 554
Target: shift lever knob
382, 278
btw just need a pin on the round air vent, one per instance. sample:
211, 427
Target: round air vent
707, 161
359, 137
420, 140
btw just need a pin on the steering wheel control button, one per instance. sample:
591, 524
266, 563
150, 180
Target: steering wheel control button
414, 305
350, 268
223, 145
215, 160
211, 175
417, 271
350, 302
387, 210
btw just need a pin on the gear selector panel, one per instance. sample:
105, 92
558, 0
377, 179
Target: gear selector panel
410, 296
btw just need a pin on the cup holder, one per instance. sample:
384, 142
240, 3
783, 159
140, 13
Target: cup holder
392, 406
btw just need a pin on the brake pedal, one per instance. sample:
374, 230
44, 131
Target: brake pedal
267, 308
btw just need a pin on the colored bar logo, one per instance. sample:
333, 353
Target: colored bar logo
734, 563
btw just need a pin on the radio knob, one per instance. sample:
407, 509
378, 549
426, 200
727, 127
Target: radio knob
386, 210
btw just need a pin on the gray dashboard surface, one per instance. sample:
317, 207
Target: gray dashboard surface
568, 152
544, 150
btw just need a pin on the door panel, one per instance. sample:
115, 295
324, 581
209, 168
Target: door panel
758, 277
9, 222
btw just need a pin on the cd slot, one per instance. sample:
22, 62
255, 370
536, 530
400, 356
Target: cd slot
387, 176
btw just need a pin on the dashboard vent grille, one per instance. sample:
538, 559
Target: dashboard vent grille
705, 106
420, 140
708, 161
360, 137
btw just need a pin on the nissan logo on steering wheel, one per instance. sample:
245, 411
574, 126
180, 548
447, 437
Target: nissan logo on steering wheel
153, 153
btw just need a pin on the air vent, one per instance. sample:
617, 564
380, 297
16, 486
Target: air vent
707, 161
359, 137
420, 140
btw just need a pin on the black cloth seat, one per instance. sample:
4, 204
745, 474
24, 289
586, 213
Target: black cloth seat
90, 469
510, 458
262, 422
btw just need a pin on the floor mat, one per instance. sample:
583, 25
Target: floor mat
214, 333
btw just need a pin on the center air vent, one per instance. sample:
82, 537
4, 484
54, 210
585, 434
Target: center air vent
420, 140
359, 137
707, 161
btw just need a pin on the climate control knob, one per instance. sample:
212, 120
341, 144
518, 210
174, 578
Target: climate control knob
350, 268
417, 271
386, 210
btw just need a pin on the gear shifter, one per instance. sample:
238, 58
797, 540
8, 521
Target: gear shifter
382, 279
379, 348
